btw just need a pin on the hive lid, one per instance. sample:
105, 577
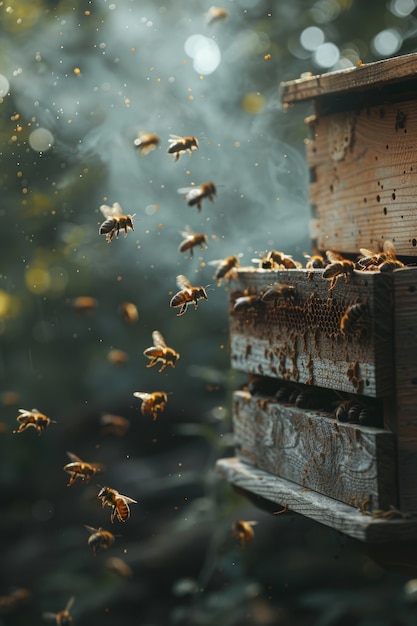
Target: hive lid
370, 75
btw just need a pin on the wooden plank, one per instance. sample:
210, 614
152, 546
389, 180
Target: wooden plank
364, 185
405, 289
369, 76
299, 338
350, 463
318, 507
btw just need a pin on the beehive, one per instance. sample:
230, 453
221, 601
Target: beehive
360, 478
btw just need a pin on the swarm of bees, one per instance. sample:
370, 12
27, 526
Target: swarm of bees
33, 419
186, 295
152, 403
115, 221
80, 469
160, 352
119, 504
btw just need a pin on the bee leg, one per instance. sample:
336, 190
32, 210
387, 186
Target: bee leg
182, 309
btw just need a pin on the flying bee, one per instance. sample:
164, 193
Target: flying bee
391, 262
129, 312
152, 402
215, 15
84, 304
275, 293
118, 503
353, 319
195, 195
160, 352
117, 357
179, 144
114, 425
33, 418
337, 268
191, 240
119, 567
100, 539
18, 597
244, 531
63, 618
225, 268
146, 142
187, 294
115, 221
80, 469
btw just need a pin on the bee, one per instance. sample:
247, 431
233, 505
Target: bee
187, 294
129, 312
16, 598
191, 240
152, 402
391, 262
225, 267
242, 303
243, 530
33, 418
117, 357
370, 260
353, 319
118, 503
316, 261
115, 221
63, 618
348, 411
84, 304
337, 268
100, 539
275, 260
195, 195
179, 144
146, 142
278, 292
114, 424
119, 567
215, 15
80, 469
160, 352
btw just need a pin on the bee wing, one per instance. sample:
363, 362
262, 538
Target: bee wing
91, 528
175, 138
187, 233
389, 250
334, 257
49, 616
365, 252
142, 395
186, 190
215, 262
70, 603
74, 458
126, 499
111, 211
183, 282
158, 340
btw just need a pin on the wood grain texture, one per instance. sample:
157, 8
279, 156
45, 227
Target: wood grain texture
405, 288
318, 507
365, 77
364, 179
350, 463
299, 339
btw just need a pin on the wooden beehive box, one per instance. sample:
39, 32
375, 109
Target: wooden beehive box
360, 478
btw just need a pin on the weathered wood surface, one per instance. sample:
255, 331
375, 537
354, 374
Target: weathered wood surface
405, 288
348, 462
299, 339
369, 76
364, 179
323, 509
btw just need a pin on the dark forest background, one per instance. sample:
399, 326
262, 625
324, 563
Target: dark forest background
78, 81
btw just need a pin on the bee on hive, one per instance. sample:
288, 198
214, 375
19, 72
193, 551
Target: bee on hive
115, 221
195, 195
191, 240
187, 294
80, 469
160, 352
178, 144
278, 292
315, 261
33, 419
63, 618
391, 262
119, 504
146, 142
354, 319
100, 539
152, 403
276, 260
337, 268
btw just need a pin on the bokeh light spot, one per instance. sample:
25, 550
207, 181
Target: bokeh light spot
253, 102
41, 139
